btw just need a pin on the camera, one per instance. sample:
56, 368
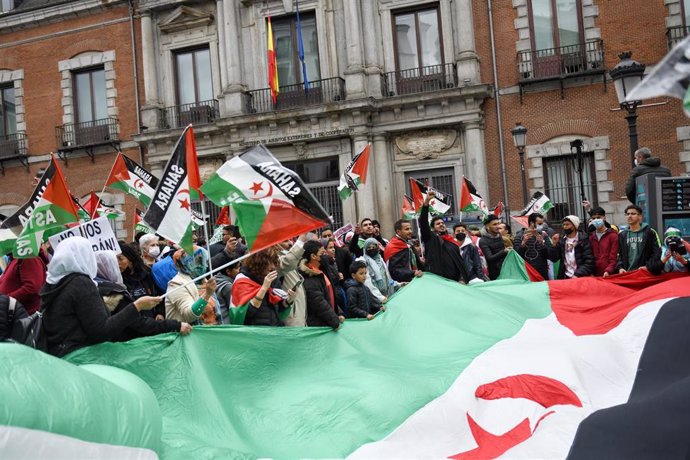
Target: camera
675, 244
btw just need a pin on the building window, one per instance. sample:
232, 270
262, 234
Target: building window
287, 49
555, 23
6, 5
193, 75
321, 177
685, 12
442, 180
418, 41
562, 185
90, 96
8, 112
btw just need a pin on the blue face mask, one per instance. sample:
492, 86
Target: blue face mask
598, 223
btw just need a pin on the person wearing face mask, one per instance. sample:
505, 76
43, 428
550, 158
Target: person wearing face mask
469, 253
148, 246
183, 301
533, 244
644, 164
442, 250
379, 280
573, 250
136, 277
604, 242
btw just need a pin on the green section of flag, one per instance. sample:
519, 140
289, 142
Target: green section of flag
230, 391
513, 268
238, 314
46, 220
7, 241
125, 187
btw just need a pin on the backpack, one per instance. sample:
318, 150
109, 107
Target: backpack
19, 327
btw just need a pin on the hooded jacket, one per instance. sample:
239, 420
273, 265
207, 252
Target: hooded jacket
584, 260
320, 310
533, 252
442, 257
473, 262
493, 248
605, 252
649, 251
648, 166
74, 315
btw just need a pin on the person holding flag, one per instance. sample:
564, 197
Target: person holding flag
401, 259
442, 250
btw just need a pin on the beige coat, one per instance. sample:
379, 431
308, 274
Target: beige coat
289, 261
178, 305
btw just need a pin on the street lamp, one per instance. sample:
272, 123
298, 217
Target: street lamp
579, 165
626, 75
520, 140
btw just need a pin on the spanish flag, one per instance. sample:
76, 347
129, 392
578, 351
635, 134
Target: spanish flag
272, 65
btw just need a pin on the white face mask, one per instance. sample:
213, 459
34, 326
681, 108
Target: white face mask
636, 162
154, 251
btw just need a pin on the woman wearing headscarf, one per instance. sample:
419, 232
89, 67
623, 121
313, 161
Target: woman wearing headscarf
74, 315
379, 280
136, 276
116, 297
183, 301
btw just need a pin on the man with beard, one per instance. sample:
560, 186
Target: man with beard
442, 250
364, 231
401, 259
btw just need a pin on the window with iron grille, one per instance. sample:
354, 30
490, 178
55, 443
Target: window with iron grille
8, 112
442, 180
562, 185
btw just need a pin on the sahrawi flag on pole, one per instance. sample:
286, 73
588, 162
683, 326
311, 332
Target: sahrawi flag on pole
271, 204
222, 221
591, 367
539, 203
439, 205
355, 174
470, 201
54, 210
170, 211
128, 176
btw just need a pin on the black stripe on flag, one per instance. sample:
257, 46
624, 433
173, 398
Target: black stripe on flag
655, 422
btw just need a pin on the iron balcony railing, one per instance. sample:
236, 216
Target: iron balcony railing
676, 35
86, 134
196, 113
552, 63
323, 91
419, 80
12, 146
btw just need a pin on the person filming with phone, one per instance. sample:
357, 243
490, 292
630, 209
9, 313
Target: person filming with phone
533, 244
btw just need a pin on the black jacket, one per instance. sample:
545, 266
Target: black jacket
116, 298
360, 300
74, 315
650, 251
140, 284
473, 263
494, 252
584, 257
648, 166
344, 259
400, 264
320, 310
442, 257
535, 253
358, 251
268, 314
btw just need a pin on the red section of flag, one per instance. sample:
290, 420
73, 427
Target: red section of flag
119, 171
394, 246
224, 216
407, 206
520, 220
58, 193
532, 272
244, 289
193, 177
361, 166
607, 301
92, 204
465, 195
498, 210
417, 196
272, 65
545, 391
283, 221
491, 445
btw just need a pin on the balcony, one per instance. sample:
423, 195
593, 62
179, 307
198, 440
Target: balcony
13, 147
295, 96
561, 63
196, 113
85, 136
419, 80
675, 35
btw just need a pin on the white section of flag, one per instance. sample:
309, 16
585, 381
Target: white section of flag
600, 369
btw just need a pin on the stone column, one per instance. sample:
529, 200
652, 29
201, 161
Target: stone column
221, 45
366, 204
354, 74
373, 67
150, 110
466, 58
383, 180
232, 102
476, 158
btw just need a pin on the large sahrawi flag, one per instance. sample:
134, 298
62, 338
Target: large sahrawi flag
14, 224
270, 201
170, 211
54, 210
128, 176
527, 370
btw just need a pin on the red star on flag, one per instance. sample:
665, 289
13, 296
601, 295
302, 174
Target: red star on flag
256, 187
184, 204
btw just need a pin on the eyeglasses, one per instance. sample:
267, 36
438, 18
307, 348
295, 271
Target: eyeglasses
632, 213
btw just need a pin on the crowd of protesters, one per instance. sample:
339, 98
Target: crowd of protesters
152, 286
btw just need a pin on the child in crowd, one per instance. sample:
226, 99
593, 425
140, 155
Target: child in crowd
362, 302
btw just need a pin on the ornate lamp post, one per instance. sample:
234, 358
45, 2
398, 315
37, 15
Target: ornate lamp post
578, 158
520, 140
626, 75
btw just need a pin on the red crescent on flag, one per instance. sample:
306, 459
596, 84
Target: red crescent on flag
268, 193
545, 391
138, 183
